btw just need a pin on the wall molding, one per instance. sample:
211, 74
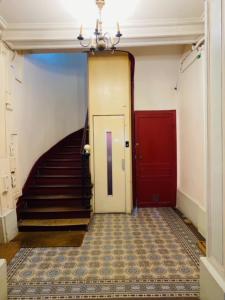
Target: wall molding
133, 24
28, 36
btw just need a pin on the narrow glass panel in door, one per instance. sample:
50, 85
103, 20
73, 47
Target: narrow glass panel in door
109, 167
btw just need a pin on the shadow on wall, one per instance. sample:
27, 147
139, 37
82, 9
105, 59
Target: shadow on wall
63, 63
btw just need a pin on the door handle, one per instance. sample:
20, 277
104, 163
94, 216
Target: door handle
123, 164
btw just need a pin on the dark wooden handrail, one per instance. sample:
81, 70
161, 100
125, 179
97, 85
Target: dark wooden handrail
86, 177
84, 138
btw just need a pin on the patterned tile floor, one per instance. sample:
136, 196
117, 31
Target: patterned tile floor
151, 254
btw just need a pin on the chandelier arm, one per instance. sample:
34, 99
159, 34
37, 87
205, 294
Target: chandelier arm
117, 42
85, 45
106, 36
108, 39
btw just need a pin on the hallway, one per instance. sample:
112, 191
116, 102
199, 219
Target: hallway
150, 254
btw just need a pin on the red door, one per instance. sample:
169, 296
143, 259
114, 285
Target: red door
156, 159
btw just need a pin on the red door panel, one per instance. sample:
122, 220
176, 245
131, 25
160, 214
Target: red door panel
156, 159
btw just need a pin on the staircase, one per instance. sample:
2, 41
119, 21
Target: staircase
58, 192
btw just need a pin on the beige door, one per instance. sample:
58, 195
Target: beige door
109, 164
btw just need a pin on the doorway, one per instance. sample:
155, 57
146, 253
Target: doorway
156, 158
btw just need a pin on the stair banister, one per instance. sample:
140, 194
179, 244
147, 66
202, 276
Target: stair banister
85, 152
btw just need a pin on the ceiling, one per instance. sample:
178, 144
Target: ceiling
41, 24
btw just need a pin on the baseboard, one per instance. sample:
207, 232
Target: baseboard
3, 280
212, 284
192, 211
8, 226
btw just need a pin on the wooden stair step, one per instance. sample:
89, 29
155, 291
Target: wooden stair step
55, 212
64, 159
78, 168
53, 197
57, 222
62, 162
76, 153
70, 151
53, 209
72, 200
63, 186
53, 224
70, 146
58, 179
59, 188
60, 170
58, 176
66, 155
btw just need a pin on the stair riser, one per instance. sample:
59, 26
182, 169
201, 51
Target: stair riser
66, 155
60, 180
74, 149
56, 215
54, 203
52, 228
62, 163
75, 152
55, 191
70, 141
48, 171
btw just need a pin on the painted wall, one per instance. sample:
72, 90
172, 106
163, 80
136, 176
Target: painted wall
9, 187
51, 104
156, 76
192, 108
156, 73
212, 267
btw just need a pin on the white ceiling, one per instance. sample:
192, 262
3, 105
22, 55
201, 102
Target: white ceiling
28, 24
53, 11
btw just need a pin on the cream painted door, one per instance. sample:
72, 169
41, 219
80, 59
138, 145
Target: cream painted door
109, 164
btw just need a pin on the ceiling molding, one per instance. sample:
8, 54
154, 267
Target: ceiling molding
136, 33
133, 23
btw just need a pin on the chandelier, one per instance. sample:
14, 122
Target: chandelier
100, 41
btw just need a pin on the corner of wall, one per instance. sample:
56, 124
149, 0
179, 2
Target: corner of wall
212, 284
3, 280
8, 226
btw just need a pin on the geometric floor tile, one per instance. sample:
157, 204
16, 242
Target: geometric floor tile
150, 254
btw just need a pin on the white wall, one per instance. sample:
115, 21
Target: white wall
212, 267
156, 74
50, 104
9, 187
192, 108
